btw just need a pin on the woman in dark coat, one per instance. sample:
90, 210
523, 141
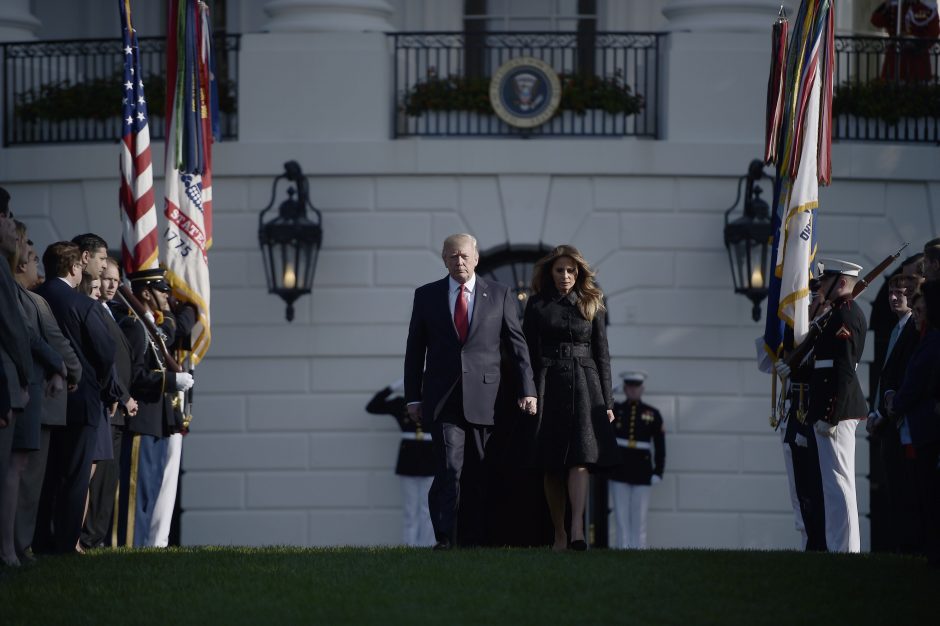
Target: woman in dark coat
564, 327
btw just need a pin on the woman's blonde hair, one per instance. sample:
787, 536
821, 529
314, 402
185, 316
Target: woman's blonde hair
590, 297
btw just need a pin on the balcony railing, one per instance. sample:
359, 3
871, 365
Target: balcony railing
887, 89
609, 82
70, 91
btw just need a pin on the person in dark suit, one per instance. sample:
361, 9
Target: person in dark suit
16, 350
641, 438
903, 524
917, 400
48, 368
566, 331
104, 482
415, 465
72, 448
837, 403
15, 354
452, 374
6, 413
53, 409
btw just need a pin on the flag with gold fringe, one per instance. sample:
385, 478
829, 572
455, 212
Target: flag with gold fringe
799, 140
190, 130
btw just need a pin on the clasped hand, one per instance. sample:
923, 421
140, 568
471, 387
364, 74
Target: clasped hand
529, 405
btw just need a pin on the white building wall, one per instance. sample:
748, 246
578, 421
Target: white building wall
282, 451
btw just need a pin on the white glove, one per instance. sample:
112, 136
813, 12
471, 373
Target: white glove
800, 441
150, 318
656, 479
184, 381
782, 369
824, 428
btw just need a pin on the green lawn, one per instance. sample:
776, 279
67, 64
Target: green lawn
275, 586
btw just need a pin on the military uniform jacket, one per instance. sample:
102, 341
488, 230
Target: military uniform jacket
836, 393
415, 453
638, 423
151, 384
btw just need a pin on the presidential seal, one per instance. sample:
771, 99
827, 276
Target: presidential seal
525, 92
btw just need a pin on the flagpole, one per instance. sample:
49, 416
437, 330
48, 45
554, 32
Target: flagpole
897, 26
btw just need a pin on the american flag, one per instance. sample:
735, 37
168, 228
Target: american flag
139, 245
188, 206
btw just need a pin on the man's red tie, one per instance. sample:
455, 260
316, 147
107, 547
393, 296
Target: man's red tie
460, 315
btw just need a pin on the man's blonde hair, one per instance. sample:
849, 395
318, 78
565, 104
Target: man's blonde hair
452, 242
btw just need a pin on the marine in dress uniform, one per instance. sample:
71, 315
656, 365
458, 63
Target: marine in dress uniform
837, 403
641, 439
165, 508
154, 387
415, 465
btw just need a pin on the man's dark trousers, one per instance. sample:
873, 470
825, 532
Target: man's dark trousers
459, 482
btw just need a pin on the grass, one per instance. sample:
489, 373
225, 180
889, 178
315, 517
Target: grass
273, 586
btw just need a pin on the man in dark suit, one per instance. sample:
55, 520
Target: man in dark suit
71, 448
103, 484
904, 529
452, 372
53, 410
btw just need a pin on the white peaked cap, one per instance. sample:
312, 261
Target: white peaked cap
838, 266
636, 377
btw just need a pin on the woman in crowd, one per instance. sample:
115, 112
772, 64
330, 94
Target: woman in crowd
567, 337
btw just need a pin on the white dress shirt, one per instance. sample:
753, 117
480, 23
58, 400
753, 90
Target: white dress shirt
454, 290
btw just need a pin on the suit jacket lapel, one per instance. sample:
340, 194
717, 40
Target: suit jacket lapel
480, 302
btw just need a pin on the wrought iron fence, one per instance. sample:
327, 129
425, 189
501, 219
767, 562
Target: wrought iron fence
887, 89
609, 82
69, 91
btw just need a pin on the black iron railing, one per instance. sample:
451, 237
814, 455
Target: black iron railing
887, 89
609, 81
70, 91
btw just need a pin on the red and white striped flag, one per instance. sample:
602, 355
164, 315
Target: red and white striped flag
139, 247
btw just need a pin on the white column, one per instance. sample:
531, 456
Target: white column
339, 57
17, 23
313, 16
724, 15
716, 67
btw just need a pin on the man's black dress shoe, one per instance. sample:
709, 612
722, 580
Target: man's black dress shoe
443, 544
579, 545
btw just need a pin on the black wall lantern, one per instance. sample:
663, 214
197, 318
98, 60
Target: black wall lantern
749, 239
290, 243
